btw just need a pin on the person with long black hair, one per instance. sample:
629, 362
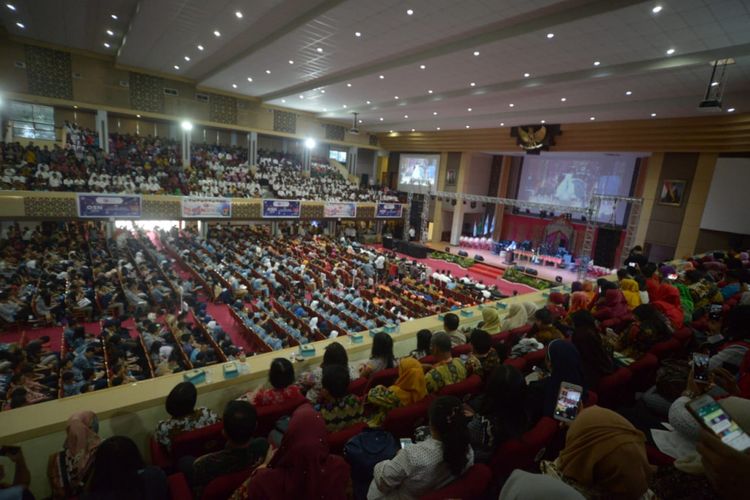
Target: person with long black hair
430, 464
381, 355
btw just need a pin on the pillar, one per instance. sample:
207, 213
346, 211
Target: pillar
102, 129
649, 194
233, 138
437, 210
252, 148
203, 229
274, 228
696, 202
374, 168
109, 228
502, 192
458, 210
185, 141
306, 155
352, 160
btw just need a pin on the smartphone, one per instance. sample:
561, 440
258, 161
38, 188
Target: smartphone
712, 416
632, 264
715, 311
406, 442
700, 367
568, 399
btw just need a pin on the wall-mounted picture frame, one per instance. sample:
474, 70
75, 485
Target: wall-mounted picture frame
450, 177
672, 192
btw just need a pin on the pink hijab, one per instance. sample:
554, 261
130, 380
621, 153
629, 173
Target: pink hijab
80, 444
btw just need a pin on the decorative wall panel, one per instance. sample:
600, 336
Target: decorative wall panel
49, 72
146, 92
168, 209
245, 209
222, 109
284, 121
335, 132
50, 207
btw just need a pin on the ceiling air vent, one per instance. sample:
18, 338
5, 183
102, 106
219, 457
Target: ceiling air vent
171, 91
124, 83
20, 64
77, 76
201, 97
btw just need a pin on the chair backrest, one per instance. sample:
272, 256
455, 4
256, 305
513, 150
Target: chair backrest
337, 440
461, 349
470, 385
358, 386
384, 377
644, 372
614, 389
268, 415
222, 487
665, 349
472, 484
402, 421
198, 442
519, 363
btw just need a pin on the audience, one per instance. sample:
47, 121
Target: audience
184, 415
69, 469
484, 358
311, 382
339, 408
381, 355
446, 370
283, 388
410, 387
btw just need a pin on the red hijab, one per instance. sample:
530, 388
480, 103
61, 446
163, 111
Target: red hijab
614, 306
302, 467
666, 299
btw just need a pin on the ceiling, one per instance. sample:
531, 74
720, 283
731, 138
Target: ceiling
420, 71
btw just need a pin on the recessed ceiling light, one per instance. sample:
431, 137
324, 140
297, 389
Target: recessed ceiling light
238, 14
291, 61
502, 124
714, 84
322, 91
176, 67
657, 9
137, 116
381, 118
268, 71
301, 96
628, 92
476, 52
106, 44
563, 99
670, 52
357, 34
325, 109
429, 91
348, 84
526, 75
542, 121
511, 105
319, 49
381, 76
75, 106
10, 6
653, 115
472, 84
409, 12
20, 25
359, 121
395, 97
413, 130
217, 33
234, 85
249, 79
344, 106
200, 47
284, 100
468, 109
422, 66
597, 63
390, 131
368, 102
110, 33
730, 110
468, 126
592, 118
550, 35
434, 113
406, 116
187, 58
114, 16
437, 128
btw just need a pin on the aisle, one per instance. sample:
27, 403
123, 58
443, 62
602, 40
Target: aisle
220, 312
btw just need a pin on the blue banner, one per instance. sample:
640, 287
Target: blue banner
342, 210
389, 210
282, 209
125, 206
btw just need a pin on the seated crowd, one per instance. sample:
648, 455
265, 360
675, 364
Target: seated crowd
153, 165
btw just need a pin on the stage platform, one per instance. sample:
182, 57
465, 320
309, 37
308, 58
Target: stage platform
491, 260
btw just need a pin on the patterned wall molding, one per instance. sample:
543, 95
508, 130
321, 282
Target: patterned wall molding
168, 209
49, 72
245, 209
284, 121
365, 211
373, 140
146, 92
312, 211
222, 109
49, 207
335, 132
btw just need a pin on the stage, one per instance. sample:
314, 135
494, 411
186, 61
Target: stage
545, 272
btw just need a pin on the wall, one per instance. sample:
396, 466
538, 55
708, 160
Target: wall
365, 162
726, 206
709, 240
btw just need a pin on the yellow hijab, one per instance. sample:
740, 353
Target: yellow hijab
491, 320
410, 386
630, 290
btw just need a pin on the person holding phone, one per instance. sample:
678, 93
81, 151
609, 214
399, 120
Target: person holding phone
564, 365
725, 468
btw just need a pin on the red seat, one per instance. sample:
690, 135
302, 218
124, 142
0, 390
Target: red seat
521, 453
384, 377
472, 484
665, 349
219, 488
268, 415
535, 358
591, 399
644, 372
428, 360
198, 442
614, 390
402, 421
178, 487
337, 440
460, 350
519, 363
470, 385
500, 338
520, 331
358, 386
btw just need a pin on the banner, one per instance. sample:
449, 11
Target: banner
197, 207
388, 210
341, 210
125, 206
282, 209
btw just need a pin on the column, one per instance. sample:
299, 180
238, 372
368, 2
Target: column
437, 210
458, 210
102, 129
233, 138
649, 193
203, 229
274, 228
185, 141
252, 147
374, 169
352, 160
109, 229
306, 154
696, 202
502, 192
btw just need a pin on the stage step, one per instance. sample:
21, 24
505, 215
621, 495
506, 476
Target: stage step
487, 270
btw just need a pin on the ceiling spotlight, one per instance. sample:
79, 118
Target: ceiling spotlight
714, 84
511, 105
325, 110
238, 14
344, 106
468, 126
730, 110
137, 116
597, 63
106, 44
10, 6
434, 113
110, 33
187, 58
526, 75
437, 128
75, 106
502, 124
406, 116
592, 118
381, 118
413, 130
670, 52
542, 121
283, 101
319, 49
291, 61
322, 91
429, 91
476, 53
200, 47
409, 12
234, 85
217, 33
657, 9
176, 67
468, 109
310, 143
472, 84
381, 76
550, 35
348, 84
268, 71
20, 25
302, 97
563, 99
395, 97
186, 126
359, 121
653, 115
422, 66
249, 79
357, 34
114, 16
368, 102
628, 92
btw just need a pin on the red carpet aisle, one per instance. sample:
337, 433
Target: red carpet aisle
54, 333
220, 312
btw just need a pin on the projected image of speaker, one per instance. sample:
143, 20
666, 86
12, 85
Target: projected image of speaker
462, 253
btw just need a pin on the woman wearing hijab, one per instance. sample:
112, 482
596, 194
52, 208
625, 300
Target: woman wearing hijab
69, 469
302, 467
490, 320
564, 365
516, 318
588, 289
596, 357
604, 457
631, 292
666, 300
614, 306
556, 304
410, 387
649, 328
578, 301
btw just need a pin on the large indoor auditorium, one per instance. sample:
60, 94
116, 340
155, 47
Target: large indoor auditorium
365, 250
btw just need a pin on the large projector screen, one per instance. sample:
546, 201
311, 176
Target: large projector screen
570, 182
417, 172
726, 206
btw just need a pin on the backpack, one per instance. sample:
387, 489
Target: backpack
365, 450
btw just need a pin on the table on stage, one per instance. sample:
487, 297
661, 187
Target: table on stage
545, 259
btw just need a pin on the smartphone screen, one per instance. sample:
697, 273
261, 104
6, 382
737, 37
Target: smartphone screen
631, 264
712, 416
566, 408
406, 442
700, 367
